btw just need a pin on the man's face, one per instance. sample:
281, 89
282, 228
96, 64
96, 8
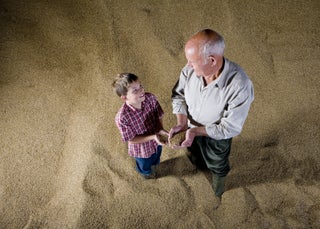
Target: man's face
135, 95
200, 65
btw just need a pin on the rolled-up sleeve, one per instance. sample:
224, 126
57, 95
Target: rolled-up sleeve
179, 105
234, 115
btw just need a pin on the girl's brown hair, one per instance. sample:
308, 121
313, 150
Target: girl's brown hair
122, 82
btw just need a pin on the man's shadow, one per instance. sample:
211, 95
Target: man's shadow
252, 162
261, 160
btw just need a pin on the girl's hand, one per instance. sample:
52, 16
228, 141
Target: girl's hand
162, 137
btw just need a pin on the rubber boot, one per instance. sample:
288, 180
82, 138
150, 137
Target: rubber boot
218, 188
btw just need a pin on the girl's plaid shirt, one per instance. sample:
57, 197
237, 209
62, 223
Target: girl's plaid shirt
132, 122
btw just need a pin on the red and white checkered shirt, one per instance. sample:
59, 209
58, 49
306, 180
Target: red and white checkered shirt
132, 122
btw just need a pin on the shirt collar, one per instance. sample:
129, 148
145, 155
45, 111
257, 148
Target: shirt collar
133, 108
222, 79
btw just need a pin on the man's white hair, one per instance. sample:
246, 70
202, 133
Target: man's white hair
213, 47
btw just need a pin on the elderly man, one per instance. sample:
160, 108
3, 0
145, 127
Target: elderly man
211, 100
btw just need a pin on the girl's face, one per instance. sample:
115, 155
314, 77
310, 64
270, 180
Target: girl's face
135, 95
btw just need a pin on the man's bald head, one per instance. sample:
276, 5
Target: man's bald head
206, 42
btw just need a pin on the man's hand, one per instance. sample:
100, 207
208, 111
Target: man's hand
175, 129
162, 137
188, 139
190, 134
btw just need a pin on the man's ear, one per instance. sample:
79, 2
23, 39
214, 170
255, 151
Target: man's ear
213, 60
123, 97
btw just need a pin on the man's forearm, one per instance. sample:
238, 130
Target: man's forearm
182, 120
199, 131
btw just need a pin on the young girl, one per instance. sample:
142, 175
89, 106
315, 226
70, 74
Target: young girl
139, 121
